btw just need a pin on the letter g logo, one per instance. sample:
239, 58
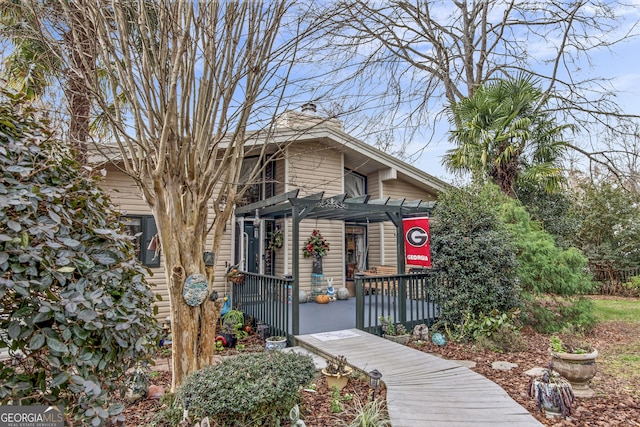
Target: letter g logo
417, 237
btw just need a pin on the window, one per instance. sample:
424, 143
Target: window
354, 184
263, 187
144, 228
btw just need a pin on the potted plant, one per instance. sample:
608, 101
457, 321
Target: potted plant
315, 247
232, 328
276, 342
575, 361
394, 332
552, 392
235, 275
337, 372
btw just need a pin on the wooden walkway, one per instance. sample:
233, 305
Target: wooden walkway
423, 390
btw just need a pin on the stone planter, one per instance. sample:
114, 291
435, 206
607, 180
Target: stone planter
338, 381
276, 343
578, 369
400, 339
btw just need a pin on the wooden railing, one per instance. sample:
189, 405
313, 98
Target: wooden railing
267, 299
404, 298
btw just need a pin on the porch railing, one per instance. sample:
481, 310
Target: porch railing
404, 297
267, 299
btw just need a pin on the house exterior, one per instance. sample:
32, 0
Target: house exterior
314, 156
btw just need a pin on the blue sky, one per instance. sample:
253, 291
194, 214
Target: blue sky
621, 64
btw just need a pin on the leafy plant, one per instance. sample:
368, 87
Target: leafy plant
572, 346
474, 256
75, 305
315, 245
370, 413
337, 366
249, 389
390, 328
233, 323
336, 401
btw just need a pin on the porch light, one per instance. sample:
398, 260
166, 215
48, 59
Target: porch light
256, 219
374, 380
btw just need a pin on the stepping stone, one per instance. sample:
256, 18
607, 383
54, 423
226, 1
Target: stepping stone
503, 366
319, 361
535, 372
468, 363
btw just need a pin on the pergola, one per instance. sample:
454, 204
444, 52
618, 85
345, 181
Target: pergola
360, 209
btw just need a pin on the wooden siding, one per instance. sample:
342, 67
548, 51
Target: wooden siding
312, 167
397, 189
374, 188
127, 198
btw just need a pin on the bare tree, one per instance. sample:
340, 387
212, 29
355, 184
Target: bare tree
433, 53
182, 81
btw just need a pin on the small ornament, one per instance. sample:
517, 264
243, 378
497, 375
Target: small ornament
195, 289
343, 294
438, 339
331, 292
303, 296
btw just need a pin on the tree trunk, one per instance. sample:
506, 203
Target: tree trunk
182, 226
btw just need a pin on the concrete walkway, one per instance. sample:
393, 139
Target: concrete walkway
423, 390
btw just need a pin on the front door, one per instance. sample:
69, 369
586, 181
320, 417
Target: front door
251, 244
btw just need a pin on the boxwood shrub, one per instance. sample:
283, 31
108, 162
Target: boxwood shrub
251, 389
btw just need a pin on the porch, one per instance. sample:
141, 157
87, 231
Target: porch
269, 300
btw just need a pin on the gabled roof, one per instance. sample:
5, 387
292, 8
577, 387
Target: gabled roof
359, 156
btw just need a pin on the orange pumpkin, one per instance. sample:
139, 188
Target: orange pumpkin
322, 299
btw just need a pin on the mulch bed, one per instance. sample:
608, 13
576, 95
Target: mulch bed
617, 400
316, 408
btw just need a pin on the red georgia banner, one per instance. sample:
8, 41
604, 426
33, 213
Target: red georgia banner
417, 241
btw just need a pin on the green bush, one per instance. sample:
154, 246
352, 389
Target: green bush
473, 255
477, 326
543, 266
247, 390
505, 339
75, 305
552, 315
632, 287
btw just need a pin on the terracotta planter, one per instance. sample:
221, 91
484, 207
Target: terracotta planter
578, 369
400, 339
337, 380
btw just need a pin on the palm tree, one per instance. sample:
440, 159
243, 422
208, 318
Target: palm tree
36, 61
503, 134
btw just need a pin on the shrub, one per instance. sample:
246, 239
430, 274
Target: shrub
477, 326
249, 389
543, 266
473, 255
74, 302
370, 413
505, 339
551, 315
